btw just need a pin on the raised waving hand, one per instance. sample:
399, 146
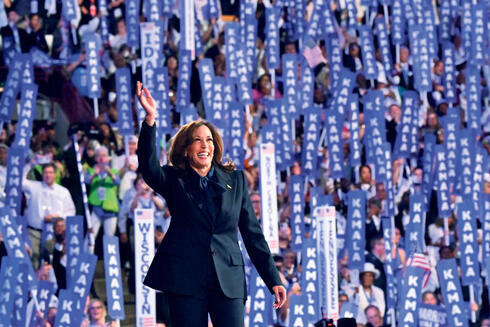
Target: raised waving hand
147, 102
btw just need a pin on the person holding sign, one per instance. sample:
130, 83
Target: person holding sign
199, 264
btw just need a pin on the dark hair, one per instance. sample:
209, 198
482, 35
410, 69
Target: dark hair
49, 164
183, 139
367, 166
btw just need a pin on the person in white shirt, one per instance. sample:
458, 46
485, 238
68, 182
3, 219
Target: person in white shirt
46, 200
369, 294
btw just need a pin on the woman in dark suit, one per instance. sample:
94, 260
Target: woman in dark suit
199, 264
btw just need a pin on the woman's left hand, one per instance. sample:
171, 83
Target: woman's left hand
280, 293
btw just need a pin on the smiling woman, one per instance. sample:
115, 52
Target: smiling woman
199, 145
199, 265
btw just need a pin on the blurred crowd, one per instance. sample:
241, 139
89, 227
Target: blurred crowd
115, 188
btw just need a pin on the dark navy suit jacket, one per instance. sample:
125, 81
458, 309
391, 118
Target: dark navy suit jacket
181, 261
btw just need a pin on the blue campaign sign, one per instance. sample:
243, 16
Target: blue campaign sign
449, 77
299, 6
261, 301
272, 37
162, 97
244, 82
432, 316
467, 25
82, 281
188, 114
124, 104
314, 28
15, 245
152, 10
250, 31
414, 231
20, 297
26, 116
46, 290
447, 270
309, 278
237, 128
68, 10
92, 48
427, 166
217, 113
442, 180
343, 92
430, 28
334, 53
446, 20
409, 12
206, 77
306, 90
480, 165
334, 123
419, 45
27, 69
485, 220
13, 185
184, 82
327, 20
398, 23
309, 155
297, 310
113, 281
8, 276
412, 287
389, 268
384, 45
167, 8
356, 228
355, 138
479, 35
404, 130
287, 137
367, 48
468, 248
66, 314
132, 23
465, 165
451, 127
296, 196
375, 134
290, 81
104, 29
11, 89
232, 40
74, 245
473, 97
390, 192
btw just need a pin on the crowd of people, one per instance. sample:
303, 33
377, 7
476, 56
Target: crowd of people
115, 189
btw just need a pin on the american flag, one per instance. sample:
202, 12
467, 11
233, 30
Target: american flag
147, 322
267, 148
419, 260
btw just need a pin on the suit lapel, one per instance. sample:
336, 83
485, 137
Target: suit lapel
224, 179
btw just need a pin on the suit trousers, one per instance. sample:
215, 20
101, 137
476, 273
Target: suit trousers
192, 311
